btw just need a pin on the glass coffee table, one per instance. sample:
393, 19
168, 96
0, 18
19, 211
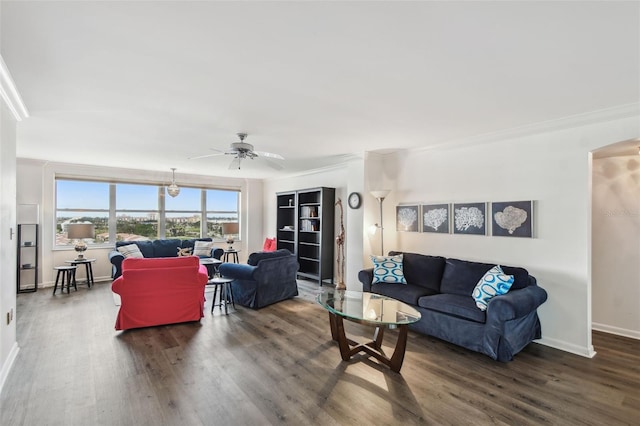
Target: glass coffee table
370, 309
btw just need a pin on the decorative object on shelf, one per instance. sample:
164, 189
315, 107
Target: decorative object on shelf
407, 218
230, 230
354, 200
470, 218
80, 232
512, 219
435, 218
380, 195
340, 243
173, 189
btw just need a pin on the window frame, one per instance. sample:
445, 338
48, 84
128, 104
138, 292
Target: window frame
161, 209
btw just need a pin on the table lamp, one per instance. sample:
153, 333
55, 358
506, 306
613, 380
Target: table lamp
229, 230
78, 232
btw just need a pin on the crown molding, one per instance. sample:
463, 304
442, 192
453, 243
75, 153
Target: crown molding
10, 94
600, 116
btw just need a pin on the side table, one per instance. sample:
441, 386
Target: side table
230, 255
226, 293
87, 264
211, 264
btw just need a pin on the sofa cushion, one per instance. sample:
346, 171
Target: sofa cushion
202, 248
453, 304
192, 242
269, 244
257, 256
408, 293
388, 269
461, 276
493, 283
166, 248
130, 250
144, 245
422, 270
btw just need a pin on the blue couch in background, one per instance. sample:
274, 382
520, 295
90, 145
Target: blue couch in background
156, 248
440, 289
268, 277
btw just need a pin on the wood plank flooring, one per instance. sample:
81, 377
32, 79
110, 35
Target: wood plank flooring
279, 365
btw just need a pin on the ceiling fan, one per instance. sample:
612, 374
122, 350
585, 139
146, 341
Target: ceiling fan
242, 150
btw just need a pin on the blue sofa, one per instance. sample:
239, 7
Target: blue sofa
440, 289
268, 277
156, 248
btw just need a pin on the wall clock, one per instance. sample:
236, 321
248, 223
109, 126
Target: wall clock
354, 200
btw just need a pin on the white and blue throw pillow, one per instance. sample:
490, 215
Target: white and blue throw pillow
202, 248
130, 250
388, 269
494, 283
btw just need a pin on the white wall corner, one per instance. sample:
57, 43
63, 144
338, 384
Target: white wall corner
585, 351
6, 367
10, 93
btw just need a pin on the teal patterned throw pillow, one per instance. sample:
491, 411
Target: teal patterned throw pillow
494, 283
388, 269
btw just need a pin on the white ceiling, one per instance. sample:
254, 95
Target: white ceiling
149, 84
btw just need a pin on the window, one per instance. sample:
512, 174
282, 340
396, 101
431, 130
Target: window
222, 206
130, 211
78, 202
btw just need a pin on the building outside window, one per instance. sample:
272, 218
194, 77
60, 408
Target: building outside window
130, 211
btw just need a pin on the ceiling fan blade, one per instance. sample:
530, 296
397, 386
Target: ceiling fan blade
218, 152
269, 155
274, 165
235, 164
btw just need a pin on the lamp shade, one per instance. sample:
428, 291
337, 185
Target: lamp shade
230, 228
78, 231
380, 194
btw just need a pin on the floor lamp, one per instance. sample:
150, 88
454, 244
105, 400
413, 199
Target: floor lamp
380, 196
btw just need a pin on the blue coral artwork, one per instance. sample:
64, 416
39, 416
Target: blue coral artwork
407, 218
512, 219
470, 218
435, 218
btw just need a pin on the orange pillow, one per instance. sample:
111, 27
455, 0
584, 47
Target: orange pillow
269, 244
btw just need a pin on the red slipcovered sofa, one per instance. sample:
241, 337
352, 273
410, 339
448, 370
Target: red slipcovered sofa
160, 291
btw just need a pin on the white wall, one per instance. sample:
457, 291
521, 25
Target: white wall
345, 179
553, 169
616, 245
8, 342
36, 185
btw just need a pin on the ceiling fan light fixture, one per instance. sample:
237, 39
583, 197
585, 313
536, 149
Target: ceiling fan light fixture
173, 189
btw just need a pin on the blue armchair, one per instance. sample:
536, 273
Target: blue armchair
268, 277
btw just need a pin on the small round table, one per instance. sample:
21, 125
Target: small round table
226, 293
68, 272
230, 255
211, 264
87, 264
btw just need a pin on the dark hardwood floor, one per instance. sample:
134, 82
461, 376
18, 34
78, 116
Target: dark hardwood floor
279, 365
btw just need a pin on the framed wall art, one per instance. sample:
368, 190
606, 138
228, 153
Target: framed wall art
407, 218
512, 219
435, 218
470, 218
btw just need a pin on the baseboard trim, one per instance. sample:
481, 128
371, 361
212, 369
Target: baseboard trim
587, 352
633, 334
8, 364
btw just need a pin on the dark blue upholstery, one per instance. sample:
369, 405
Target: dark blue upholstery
508, 325
270, 280
155, 248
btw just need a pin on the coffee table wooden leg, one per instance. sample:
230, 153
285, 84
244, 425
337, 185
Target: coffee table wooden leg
401, 346
345, 349
377, 337
332, 324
